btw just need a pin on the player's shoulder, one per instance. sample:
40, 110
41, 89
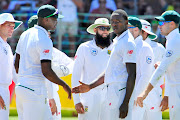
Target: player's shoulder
146, 46
86, 44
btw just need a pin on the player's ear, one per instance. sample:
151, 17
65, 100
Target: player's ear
95, 30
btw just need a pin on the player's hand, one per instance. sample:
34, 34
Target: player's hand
164, 103
123, 110
53, 106
2, 104
68, 90
156, 65
79, 108
83, 88
140, 99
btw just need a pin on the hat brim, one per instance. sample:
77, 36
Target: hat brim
152, 36
159, 18
90, 29
17, 23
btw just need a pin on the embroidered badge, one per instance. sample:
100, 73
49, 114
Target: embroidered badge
5, 51
94, 52
130, 52
149, 59
169, 53
109, 52
46, 51
86, 108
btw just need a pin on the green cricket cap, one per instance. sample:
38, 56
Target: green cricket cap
134, 21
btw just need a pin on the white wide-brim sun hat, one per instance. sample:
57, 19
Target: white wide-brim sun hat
9, 18
146, 26
99, 22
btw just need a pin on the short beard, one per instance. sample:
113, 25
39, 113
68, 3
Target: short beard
102, 41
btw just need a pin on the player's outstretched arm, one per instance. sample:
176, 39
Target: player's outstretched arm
131, 69
83, 88
143, 95
50, 75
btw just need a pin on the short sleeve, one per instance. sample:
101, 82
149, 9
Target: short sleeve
45, 48
129, 53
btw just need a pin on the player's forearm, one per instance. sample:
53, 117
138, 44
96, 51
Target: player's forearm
129, 87
147, 90
97, 83
51, 76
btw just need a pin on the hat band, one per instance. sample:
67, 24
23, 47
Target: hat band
52, 14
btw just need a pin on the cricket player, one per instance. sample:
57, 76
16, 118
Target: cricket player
154, 97
168, 24
120, 74
33, 65
145, 60
7, 26
91, 60
62, 65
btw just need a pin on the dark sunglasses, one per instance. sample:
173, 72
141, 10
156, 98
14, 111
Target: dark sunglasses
103, 28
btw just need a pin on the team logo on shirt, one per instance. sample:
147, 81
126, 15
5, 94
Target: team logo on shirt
46, 51
94, 52
169, 53
5, 51
149, 59
86, 109
109, 52
130, 52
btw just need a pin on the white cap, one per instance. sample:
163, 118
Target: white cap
9, 17
146, 26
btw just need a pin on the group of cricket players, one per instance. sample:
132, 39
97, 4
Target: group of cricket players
119, 79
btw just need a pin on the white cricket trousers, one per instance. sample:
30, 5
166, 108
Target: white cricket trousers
91, 102
114, 94
31, 106
4, 92
174, 102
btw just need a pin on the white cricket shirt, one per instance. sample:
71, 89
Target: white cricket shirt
90, 63
124, 51
34, 45
144, 65
171, 61
6, 64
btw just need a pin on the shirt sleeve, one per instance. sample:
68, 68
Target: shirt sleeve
146, 61
129, 53
45, 48
172, 54
166, 92
77, 71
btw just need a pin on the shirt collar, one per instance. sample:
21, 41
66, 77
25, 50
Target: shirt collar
172, 33
41, 28
138, 39
2, 41
148, 40
122, 35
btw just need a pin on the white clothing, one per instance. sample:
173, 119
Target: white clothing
58, 58
34, 45
4, 93
124, 51
68, 9
171, 65
6, 64
90, 63
116, 76
6, 75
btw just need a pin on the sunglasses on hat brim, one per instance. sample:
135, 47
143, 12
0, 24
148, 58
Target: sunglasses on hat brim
161, 23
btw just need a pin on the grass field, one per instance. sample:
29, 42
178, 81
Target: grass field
64, 118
